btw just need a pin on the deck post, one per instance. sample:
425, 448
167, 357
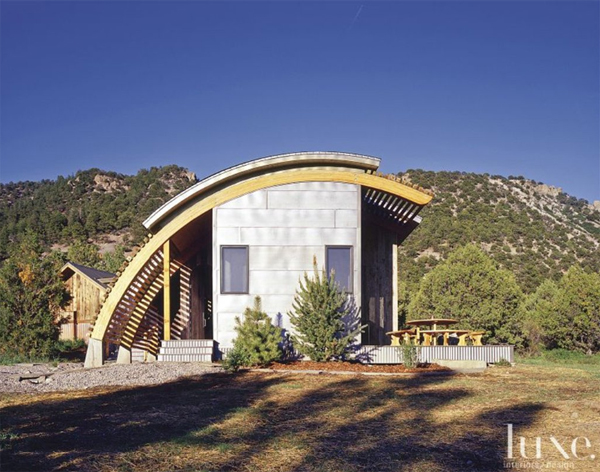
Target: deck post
167, 290
394, 287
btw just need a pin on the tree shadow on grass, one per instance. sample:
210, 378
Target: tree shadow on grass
267, 422
351, 424
59, 434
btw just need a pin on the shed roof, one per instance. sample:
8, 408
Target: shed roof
100, 277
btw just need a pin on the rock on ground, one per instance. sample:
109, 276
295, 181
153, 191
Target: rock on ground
36, 378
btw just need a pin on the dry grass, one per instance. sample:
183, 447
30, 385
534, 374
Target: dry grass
295, 422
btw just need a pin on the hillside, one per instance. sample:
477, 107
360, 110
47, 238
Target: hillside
535, 230
92, 204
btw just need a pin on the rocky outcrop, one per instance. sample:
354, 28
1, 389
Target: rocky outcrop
548, 190
104, 183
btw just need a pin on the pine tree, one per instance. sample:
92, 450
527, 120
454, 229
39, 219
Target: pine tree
320, 310
31, 293
257, 337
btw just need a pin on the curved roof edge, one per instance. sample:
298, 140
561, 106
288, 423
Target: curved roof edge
265, 164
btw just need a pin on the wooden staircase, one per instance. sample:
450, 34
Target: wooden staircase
137, 324
186, 350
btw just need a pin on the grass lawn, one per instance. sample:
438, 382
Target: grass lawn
295, 422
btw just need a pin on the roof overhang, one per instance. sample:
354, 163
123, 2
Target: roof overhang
337, 160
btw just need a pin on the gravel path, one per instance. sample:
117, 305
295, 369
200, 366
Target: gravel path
15, 378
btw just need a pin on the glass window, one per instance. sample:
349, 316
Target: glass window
339, 260
234, 269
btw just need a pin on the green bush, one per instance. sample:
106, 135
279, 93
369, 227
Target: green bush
236, 359
565, 315
66, 345
324, 324
257, 341
411, 355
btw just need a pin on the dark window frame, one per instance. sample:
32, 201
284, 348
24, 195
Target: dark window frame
247, 275
349, 290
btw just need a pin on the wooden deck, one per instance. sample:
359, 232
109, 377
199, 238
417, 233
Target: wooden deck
393, 354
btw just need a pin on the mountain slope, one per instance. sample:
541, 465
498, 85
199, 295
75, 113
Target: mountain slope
91, 204
535, 230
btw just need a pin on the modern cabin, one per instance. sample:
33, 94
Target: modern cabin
255, 229
87, 287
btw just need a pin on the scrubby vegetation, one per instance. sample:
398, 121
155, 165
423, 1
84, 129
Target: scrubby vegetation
528, 237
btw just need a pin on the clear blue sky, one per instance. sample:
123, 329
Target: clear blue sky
504, 87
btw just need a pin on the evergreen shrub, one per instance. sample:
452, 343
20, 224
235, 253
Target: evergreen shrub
257, 341
324, 323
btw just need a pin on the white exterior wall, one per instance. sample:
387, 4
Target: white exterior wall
283, 227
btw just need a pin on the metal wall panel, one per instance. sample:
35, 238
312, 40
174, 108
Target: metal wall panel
275, 282
273, 304
346, 218
278, 257
312, 200
256, 199
297, 236
228, 235
272, 218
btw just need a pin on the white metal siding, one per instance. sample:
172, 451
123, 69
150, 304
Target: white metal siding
393, 355
284, 227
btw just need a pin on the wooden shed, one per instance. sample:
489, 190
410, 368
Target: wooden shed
255, 229
87, 287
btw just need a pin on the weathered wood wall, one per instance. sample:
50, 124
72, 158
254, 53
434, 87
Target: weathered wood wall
82, 309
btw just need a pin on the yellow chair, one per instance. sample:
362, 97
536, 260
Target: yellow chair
476, 337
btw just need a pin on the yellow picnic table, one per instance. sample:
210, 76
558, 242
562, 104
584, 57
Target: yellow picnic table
430, 336
404, 334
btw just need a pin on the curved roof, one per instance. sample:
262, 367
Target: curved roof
355, 162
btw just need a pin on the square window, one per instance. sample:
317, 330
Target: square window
339, 260
234, 269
